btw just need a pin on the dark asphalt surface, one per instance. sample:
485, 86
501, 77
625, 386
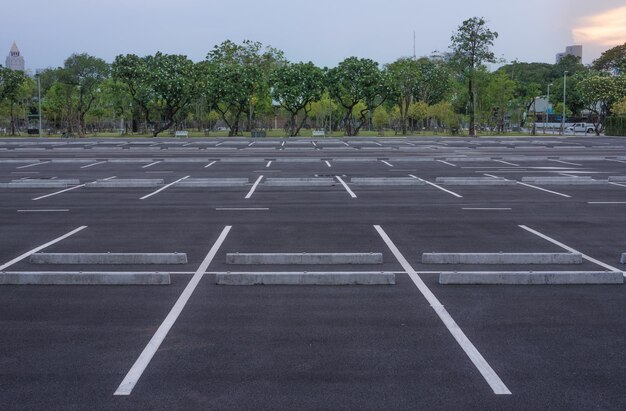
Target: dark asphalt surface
270, 347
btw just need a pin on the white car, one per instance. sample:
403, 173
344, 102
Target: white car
586, 128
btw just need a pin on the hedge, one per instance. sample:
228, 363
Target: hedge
615, 126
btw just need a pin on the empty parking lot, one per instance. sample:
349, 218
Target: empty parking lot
296, 206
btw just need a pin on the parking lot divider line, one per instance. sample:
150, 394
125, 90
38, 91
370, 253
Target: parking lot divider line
506, 162
386, 162
437, 186
615, 184
254, 186
570, 249
93, 164
269, 163
164, 187
490, 376
343, 183
44, 211
606, 202
210, 164
445, 162
33, 165
327, 163
617, 161
151, 164
134, 374
543, 189
58, 192
41, 247
565, 162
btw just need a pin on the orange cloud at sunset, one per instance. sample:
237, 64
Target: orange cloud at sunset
604, 29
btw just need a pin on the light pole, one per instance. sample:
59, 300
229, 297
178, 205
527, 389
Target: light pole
564, 95
545, 126
39, 99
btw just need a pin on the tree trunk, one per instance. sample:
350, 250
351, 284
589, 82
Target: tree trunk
12, 121
472, 126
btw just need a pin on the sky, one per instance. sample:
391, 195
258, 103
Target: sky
322, 31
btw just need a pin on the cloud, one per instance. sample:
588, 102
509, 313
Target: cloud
604, 29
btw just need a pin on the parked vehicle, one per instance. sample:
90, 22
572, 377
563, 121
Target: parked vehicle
587, 128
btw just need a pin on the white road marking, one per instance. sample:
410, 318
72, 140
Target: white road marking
389, 164
490, 175
219, 144
445, 162
346, 144
506, 162
543, 189
314, 143
59, 192
164, 187
93, 164
378, 144
269, 163
135, 372
565, 162
617, 161
282, 144
437, 186
210, 164
570, 249
488, 209
470, 350
606, 202
346, 187
41, 247
327, 163
251, 144
254, 186
616, 184
567, 175
242, 209
32, 165
43, 211
151, 164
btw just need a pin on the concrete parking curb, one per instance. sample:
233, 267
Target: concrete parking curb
531, 278
386, 181
468, 181
109, 258
623, 259
306, 278
502, 258
304, 258
295, 182
84, 278
126, 183
213, 182
583, 180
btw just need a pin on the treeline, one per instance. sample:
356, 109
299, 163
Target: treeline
247, 86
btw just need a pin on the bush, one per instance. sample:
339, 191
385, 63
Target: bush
615, 126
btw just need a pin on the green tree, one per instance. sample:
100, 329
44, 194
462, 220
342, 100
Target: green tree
11, 90
499, 93
613, 60
236, 80
295, 86
405, 76
356, 81
82, 75
619, 108
380, 118
599, 92
471, 46
132, 71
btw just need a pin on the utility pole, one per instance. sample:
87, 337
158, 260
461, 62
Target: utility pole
39, 100
564, 97
545, 126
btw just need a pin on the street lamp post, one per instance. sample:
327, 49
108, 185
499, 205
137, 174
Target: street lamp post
39, 100
545, 126
564, 95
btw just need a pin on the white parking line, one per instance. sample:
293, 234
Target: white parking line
437, 186
445, 162
327, 163
32, 165
389, 164
269, 163
506, 162
346, 144
151, 164
543, 189
606, 202
210, 164
164, 187
490, 175
487, 209
314, 143
616, 184
135, 372
378, 144
617, 161
41, 247
43, 211
565, 162
93, 164
251, 144
58, 192
242, 209
282, 144
470, 350
346, 187
254, 186
571, 250
219, 144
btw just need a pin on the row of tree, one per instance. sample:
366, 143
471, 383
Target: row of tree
243, 85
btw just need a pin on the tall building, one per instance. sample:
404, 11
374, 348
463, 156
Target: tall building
576, 51
14, 61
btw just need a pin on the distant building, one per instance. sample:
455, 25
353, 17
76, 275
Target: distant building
576, 51
14, 60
